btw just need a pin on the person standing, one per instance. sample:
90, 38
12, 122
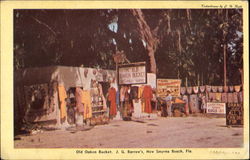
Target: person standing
168, 100
203, 103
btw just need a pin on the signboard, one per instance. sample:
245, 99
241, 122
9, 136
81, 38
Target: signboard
172, 85
234, 114
151, 80
132, 73
218, 108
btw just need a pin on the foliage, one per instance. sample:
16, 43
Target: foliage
183, 43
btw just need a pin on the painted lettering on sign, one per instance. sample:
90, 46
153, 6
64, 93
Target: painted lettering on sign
132, 75
234, 114
171, 85
218, 108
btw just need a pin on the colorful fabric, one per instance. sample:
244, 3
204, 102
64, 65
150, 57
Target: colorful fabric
140, 91
212, 97
237, 88
140, 95
214, 88
117, 98
122, 94
240, 97
79, 104
177, 100
62, 96
235, 97
225, 88
231, 88
202, 88
224, 97
218, 97
148, 95
220, 89
230, 98
112, 99
134, 92
183, 90
196, 89
86, 100
194, 106
203, 102
208, 88
189, 90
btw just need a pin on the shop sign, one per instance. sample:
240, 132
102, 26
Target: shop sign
172, 85
217, 108
234, 114
132, 74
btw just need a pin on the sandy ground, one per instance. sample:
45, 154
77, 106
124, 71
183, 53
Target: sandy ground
186, 132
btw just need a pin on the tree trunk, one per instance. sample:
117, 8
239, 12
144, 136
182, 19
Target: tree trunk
147, 36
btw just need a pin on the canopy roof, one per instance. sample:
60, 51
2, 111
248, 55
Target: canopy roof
69, 76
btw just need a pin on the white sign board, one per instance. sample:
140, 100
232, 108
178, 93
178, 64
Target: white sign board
132, 74
218, 108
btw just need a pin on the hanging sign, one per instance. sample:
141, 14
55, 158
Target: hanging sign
134, 73
218, 108
171, 85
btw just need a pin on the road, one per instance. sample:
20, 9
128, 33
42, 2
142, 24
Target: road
173, 132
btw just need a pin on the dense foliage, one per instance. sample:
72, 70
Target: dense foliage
177, 43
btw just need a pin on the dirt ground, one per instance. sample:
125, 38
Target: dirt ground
173, 132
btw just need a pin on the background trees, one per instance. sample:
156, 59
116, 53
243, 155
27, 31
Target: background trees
175, 43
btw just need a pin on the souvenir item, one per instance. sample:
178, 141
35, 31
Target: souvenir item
183, 90
196, 89
214, 88
224, 97
240, 96
220, 89
230, 98
225, 88
231, 88
235, 97
202, 88
189, 90
208, 88
237, 88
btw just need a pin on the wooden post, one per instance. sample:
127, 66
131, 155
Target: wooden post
198, 80
186, 82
